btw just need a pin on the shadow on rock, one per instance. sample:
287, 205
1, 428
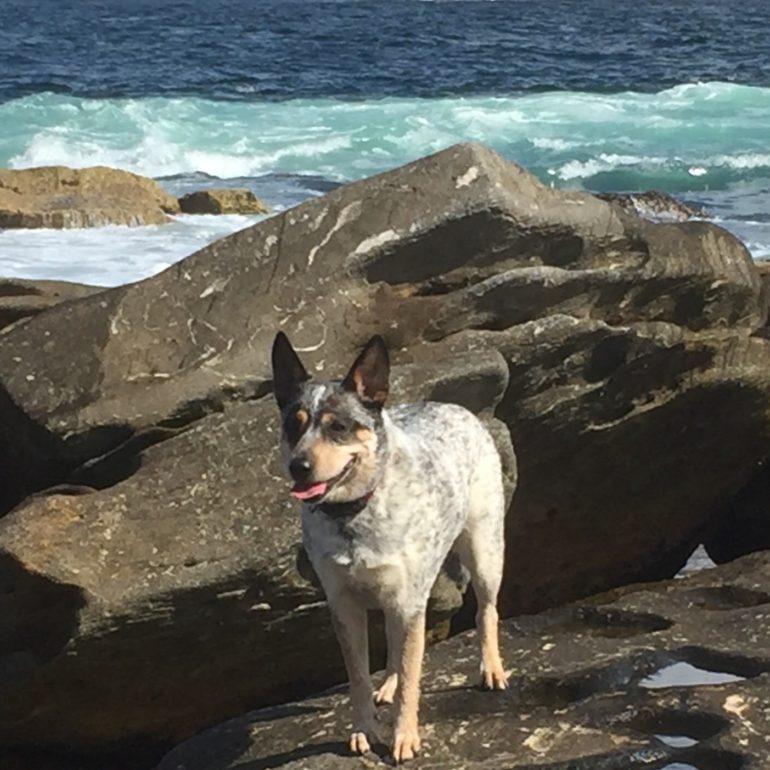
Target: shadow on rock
31, 457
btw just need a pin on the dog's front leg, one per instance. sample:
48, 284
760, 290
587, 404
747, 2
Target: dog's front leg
406, 741
395, 636
350, 625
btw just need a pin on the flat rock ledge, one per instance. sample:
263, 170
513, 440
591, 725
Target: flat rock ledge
61, 197
604, 684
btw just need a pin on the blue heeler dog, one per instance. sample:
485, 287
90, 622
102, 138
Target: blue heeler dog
386, 494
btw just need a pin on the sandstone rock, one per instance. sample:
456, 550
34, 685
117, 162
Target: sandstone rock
31, 457
181, 578
743, 525
592, 688
61, 197
654, 205
224, 201
21, 298
610, 347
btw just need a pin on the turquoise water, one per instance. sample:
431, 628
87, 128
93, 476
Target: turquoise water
708, 143
686, 139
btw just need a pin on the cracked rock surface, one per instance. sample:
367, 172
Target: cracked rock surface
151, 546
580, 695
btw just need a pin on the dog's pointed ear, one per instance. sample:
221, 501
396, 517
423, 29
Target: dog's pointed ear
369, 375
288, 371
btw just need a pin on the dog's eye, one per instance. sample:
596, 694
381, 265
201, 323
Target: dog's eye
335, 426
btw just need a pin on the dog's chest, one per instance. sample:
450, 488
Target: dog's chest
378, 558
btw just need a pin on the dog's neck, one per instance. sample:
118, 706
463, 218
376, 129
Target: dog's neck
346, 509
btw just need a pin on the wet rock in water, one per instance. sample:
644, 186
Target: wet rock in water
647, 676
657, 206
224, 201
609, 347
21, 298
61, 197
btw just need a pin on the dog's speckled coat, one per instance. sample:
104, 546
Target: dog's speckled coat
409, 484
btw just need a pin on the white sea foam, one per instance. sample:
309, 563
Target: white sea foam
701, 140
110, 256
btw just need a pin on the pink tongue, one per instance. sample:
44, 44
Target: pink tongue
309, 492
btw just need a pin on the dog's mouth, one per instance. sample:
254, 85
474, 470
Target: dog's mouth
315, 491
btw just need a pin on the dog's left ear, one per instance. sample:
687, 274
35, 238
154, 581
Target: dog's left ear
288, 371
368, 377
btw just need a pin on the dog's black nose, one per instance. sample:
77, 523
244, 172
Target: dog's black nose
300, 468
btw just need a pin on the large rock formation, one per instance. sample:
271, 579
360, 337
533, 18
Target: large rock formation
57, 196
620, 353
222, 201
20, 298
743, 525
653, 676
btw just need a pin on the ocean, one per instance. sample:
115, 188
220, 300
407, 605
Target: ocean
294, 97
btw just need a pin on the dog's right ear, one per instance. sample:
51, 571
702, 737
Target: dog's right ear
288, 371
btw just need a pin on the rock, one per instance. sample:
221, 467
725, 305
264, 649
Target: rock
656, 206
585, 691
31, 457
21, 298
610, 347
61, 197
743, 525
183, 577
224, 201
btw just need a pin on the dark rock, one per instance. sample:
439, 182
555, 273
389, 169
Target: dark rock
61, 197
182, 565
21, 298
619, 353
657, 206
743, 525
31, 457
580, 694
224, 201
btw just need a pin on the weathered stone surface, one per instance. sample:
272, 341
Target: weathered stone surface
21, 298
222, 201
618, 352
654, 205
31, 457
743, 525
61, 197
577, 697
180, 577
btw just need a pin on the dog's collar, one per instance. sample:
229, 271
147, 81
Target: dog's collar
345, 510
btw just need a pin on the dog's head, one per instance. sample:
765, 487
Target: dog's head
331, 430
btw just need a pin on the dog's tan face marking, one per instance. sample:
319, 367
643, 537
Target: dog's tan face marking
295, 425
331, 451
328, 459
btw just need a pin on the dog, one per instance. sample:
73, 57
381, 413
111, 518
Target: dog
386, 494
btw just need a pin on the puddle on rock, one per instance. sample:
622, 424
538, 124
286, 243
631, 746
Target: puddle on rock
724, 598
677, 741
679, 766
686, 675
609, 623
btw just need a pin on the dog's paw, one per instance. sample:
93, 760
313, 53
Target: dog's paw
387, 691
359, 743
494, 678
406, 743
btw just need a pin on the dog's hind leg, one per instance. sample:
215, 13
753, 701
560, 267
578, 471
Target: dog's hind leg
387, 691
350, 625
481, 547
